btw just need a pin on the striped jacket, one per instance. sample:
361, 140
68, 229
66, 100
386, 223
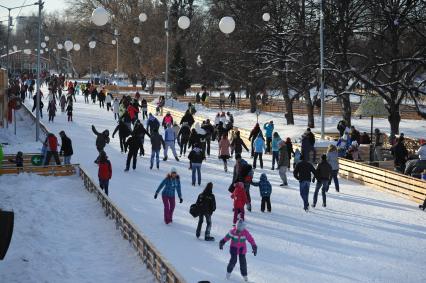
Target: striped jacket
238, 240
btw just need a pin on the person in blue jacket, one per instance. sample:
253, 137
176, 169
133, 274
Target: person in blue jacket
275, 149
269, 129
265, 190
259, 147
168, 186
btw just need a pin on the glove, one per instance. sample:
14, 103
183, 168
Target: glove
313, 180
180, 200
221, 243
112, 136
255, 250
155, 196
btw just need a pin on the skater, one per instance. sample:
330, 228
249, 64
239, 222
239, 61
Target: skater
69, 112
63, 102
66, 147
51, 109
170, 140
302, 173
144, 106
156, 142
139, 132
168, 187
259, 147
240, 199
400, 152
269, 129
202, 136
108, 101
378, 144
188, 118
332, 160
19, 159
238, 249
123, 133
133, 144
153, 124
196, 157
232, 97
253, 135
116, 108
104, 171
206, 204
291, 152
224, 153
323, 176
265, 190
101, 139
275, 147
423, 206
283, 163
52, 149
183, 138
238, 144
168, 119
209, 129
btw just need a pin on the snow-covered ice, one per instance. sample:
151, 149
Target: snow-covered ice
362, 236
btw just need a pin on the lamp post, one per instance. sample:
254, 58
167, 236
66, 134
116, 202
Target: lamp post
322, 69
92, 45
116, 43
40, 7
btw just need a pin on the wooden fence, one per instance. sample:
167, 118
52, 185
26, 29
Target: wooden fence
27, 159
385, 180
151, 257
51, 170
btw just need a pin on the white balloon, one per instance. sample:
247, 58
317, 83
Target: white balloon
60, 46
27, 41
76, 47
27, 51
15, 48
136, 40
46, 38
142, 17
46, 49
92, 44
43, 44
54, 49
41, 51
227, 25
114, 42
266, 17
68, 45
184, 22
100, 16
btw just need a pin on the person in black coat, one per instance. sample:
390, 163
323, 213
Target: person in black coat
123, 133
206, 204
196, 157
400, 153
323, 175
208, 127
133, 144
188, 118
302, 173
66, 147
237, 144
101, 140
144, 106
35, 105
183, 137
156, 142
139, 131
194, 138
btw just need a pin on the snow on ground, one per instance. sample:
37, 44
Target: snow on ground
245, 119
362, 236
62, 235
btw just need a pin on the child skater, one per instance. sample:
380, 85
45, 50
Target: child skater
238, 249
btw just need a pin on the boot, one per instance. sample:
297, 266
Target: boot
165, 158
209, 238
245, 278
177, 159
249, 207
324, 205
228, 275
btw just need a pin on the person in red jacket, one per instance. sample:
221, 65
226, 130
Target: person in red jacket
240, 198
132, 110
104, 172
52, 149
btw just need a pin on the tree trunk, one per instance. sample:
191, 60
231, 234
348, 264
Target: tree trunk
252, 95
289, 116
309, 109
152, 87
346, 108
394, 119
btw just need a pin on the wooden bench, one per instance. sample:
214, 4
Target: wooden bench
51, 170
27, 159
382, 179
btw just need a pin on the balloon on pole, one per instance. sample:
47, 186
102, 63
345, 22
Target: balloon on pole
68, 45
266, 17
184, 22
100, 16
143, 17
227, 25
77, 47
136, 40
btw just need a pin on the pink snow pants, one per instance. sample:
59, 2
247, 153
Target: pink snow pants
169, 206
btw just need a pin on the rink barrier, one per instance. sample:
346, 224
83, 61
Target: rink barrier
162, 270
51, 170
27, 159
384, 180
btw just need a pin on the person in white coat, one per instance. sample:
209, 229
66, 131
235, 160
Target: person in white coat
108, 101
116, 108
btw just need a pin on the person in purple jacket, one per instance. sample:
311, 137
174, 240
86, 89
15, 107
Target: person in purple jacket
238, 249
169, 185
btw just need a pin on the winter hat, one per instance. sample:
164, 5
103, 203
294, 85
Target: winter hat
173, 170
241, 225
323, 157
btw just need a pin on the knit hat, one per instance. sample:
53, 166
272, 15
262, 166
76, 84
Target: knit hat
241, 225
173, 170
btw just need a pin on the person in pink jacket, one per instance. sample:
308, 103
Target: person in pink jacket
224, 152
238, 249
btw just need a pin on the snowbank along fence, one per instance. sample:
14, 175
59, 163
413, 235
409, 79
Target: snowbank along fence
152, 258
382, 179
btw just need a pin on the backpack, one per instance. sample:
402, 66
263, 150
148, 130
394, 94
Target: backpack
194, 210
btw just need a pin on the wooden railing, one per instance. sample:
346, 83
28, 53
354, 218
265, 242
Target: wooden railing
51, 170
151, 257
27, 159
382, 179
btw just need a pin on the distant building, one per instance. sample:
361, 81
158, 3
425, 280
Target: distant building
19, 62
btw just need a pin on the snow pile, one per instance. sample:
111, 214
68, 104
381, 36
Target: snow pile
62, 235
